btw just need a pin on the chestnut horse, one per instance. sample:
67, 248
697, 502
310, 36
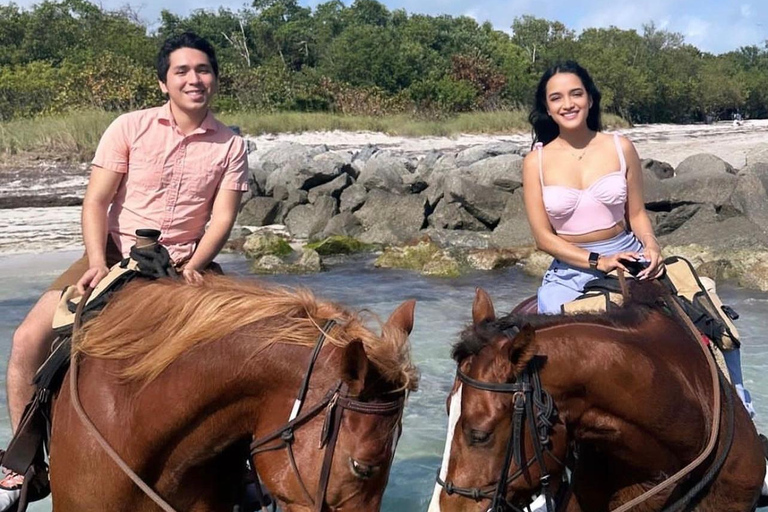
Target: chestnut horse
178, 379
625, 399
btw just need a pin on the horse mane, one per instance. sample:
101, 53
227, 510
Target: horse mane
643, 298
152, 324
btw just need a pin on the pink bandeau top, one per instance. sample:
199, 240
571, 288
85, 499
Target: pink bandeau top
574, 211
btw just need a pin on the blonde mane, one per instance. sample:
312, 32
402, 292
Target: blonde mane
153, 324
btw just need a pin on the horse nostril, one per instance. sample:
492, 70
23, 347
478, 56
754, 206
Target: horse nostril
360, 470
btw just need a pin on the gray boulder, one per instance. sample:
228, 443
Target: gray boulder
713, 187
259, 211
257, 176
306, 220
484, 203
504, 172
352, 198
718, 232
285, 153
458, 238
667, 222
655, 191
703, 163
759, 169
449, 215
343, 224
391, 218
513, 230
474, 154
758, 154
385, 171
333, 188
289, 199
750, 199
662, 170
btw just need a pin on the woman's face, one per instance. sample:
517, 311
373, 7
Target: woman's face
567, 101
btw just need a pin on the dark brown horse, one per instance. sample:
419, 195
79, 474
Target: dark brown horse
179, 378
633, 403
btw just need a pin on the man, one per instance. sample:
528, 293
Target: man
171, 168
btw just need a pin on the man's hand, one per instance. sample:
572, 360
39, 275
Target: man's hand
192, 276
92, 277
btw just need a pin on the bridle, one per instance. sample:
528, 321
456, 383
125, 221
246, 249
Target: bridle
335, 402
526, 393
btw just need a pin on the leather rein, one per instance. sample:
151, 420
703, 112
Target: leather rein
526, 393
335, 402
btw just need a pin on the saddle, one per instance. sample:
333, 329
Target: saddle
27, 450
696, 296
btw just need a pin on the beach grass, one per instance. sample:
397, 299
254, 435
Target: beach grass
75, 135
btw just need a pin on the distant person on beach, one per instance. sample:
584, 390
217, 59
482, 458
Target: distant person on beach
583, 192
173, 168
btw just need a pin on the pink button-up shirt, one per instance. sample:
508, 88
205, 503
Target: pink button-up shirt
171, 179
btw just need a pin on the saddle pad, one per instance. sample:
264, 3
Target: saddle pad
118, 275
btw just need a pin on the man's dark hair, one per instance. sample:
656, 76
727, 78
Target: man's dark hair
185, 40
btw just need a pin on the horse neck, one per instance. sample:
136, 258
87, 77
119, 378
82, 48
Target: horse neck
611, 385
227, 394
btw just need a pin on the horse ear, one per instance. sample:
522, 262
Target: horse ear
354, 366
402, 317
521, 347
482, 307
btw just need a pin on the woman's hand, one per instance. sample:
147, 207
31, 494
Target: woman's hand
92, 277
652, 253
608, 263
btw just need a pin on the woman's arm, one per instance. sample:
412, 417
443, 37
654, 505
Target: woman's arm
638, 219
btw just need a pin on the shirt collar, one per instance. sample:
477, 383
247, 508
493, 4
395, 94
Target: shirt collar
208, 125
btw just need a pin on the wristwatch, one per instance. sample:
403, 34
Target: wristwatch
593, 257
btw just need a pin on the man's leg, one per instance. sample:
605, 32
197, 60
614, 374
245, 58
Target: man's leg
31, 345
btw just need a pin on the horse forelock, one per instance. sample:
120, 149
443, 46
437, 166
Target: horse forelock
152, 324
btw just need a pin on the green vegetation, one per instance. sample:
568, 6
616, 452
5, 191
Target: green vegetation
360, 66
76, 134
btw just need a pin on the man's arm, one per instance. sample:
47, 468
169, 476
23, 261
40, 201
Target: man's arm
223, 215
102, 186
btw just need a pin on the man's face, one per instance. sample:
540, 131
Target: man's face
190, 82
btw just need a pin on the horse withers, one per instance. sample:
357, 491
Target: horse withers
179, 379
632, 400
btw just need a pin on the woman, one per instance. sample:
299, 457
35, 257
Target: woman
583, 190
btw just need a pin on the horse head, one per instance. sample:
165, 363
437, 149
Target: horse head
340, 459
506, 441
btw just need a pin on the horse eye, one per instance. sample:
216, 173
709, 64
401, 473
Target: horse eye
362, 471
477, 437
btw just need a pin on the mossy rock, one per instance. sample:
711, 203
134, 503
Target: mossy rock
411, 257
425, 257
338, 244
309, 262
266, 243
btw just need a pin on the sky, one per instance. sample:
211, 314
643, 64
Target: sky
715, 26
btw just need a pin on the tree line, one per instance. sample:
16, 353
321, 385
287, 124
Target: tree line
363, 59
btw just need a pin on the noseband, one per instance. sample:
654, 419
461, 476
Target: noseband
526, 393
335, 402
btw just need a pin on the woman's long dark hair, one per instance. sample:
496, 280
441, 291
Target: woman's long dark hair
545, 130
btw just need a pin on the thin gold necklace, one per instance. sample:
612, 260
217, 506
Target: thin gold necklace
576, 155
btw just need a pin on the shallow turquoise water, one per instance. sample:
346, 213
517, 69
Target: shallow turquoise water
443, 308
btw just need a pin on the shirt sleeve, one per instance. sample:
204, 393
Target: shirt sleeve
236, 174
114, 147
